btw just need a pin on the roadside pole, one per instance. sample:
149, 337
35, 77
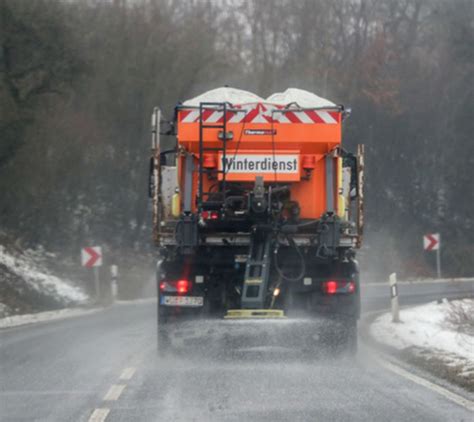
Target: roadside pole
97, 284
438, 262
394, 297
113, 281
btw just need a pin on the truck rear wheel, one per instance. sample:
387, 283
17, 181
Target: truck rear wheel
164, 342
347, 342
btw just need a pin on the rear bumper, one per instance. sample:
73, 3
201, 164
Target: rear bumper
226, 239
217, 335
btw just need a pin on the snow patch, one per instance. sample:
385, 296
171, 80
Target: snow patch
36, 278
4, 310
426, 327
17, 320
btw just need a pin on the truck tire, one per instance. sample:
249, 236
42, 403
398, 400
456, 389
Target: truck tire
164, 343
348, 343
352, 341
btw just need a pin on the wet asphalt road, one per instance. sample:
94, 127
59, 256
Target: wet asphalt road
104, 367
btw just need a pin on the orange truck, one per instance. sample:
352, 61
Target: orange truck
257, 211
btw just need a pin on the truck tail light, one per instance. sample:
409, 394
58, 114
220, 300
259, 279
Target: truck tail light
209, 161
210, 215
183, 286
180, 286
332, 287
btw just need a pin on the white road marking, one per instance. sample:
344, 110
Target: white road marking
127, 373
99, 415
114, 392
456, 398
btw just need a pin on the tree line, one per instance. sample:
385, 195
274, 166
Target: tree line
79, 78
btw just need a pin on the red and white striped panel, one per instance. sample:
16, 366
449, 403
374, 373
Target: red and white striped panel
260, 113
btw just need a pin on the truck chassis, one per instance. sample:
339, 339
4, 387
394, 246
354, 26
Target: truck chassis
242, 250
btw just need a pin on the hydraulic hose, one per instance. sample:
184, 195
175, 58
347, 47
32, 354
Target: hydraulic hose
303, 264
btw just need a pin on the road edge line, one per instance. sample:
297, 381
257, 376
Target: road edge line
386, 360
60, 317
456, 398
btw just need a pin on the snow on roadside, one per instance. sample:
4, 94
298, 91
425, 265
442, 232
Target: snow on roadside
426, 328
37, 279
17, 320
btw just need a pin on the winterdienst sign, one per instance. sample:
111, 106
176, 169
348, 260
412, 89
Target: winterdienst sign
246, 165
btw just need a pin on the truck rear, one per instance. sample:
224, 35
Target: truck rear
257, 212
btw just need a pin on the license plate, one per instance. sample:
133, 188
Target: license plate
181, 301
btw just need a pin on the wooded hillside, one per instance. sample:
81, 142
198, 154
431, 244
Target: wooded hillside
78, 81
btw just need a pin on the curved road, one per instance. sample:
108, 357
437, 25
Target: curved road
104, 367
377, 296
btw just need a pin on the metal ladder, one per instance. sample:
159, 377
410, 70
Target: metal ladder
257, 272
203, 198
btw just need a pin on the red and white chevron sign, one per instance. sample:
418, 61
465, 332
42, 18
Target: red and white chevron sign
261, 113
431, 242
91, 256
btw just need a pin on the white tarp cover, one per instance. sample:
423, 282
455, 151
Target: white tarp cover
304, 99
225, 94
